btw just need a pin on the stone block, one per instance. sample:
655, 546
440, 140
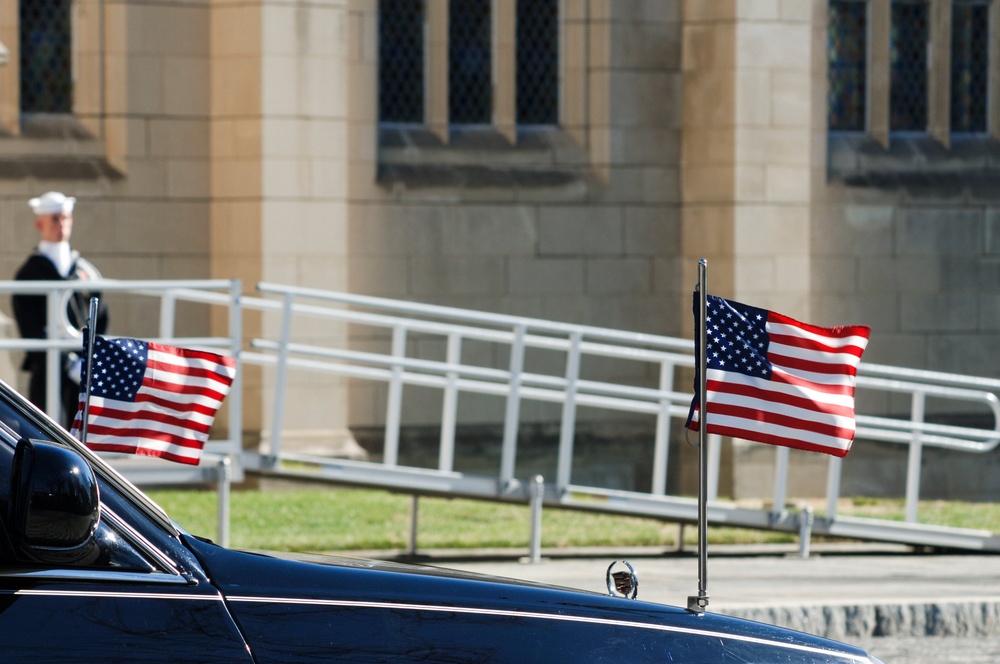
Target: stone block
879, 310
766, 230
960, 352
700, 11
787, 184
433, 275
838, 275
852, 230
545, 276
146, 90
751, 183
938, 231
754, 101
323, 89
185, 86
148, 176
186, 138
648, 45
992, 231
773, 46
173, 29
236, 87
580, 230
709, 100
790, 106
236, 178
492, 230
652, 230
668, 274
285, 178
707, 184
186, 178
938, 313
281, 86
626, 276
385, 277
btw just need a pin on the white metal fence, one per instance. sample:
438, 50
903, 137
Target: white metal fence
286, 309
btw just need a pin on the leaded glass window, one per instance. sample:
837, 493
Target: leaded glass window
469, 62
969, 66
847, 46
46, 71
537, 62
908, 67
401, 61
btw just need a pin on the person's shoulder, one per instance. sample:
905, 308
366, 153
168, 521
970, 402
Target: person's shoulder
36, 267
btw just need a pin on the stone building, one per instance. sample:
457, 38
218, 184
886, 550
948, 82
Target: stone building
561, 159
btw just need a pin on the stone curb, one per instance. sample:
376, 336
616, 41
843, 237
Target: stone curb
862, 621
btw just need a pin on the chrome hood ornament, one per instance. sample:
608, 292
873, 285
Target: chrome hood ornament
624, 582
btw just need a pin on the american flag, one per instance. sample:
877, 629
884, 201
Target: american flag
153, 400
773, 379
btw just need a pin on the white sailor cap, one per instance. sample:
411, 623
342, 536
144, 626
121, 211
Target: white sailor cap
52, 202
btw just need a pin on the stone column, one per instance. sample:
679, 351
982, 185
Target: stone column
747, 148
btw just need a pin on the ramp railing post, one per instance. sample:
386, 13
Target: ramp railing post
414, 512
449, 409
780, 478
714, 463
281, 380
833, 486
394, 402
915, 458
53, 357
805, 530
537, 498
661, 450
225, 478
168, 313
512, 414
236, 392
567, 428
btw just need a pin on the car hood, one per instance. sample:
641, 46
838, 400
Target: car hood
293, 607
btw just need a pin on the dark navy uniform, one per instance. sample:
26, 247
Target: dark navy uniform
31, 315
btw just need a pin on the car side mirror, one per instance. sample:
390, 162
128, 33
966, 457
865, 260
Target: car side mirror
54, 505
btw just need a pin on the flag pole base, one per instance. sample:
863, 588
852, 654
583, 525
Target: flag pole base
697, 603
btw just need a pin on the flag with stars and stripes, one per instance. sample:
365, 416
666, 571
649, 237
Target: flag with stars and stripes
773, 379
152, 399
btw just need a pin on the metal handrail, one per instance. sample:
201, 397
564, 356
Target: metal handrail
517, 383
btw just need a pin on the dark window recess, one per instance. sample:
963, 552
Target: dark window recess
470, 99
847, 65
908, 63
401, 61
46, 71
537, 62
969, 66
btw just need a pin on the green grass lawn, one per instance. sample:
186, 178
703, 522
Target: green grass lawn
344, 519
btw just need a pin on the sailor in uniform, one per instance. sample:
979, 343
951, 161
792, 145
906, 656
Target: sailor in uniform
55, 260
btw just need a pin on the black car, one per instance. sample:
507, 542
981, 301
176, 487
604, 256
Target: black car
92, 571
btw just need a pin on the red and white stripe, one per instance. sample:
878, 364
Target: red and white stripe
807, 404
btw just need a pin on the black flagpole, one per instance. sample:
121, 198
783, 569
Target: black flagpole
89, 345
699, 602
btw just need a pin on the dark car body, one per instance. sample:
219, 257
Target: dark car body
92, 571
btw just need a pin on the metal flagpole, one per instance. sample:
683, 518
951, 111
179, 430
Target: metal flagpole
89, 345
699, 602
